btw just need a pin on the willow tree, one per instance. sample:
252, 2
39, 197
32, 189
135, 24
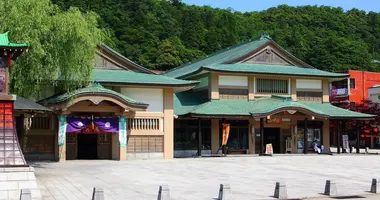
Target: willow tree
62, 44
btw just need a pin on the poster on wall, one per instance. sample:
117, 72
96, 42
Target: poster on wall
123, 131
62, 130
345, 142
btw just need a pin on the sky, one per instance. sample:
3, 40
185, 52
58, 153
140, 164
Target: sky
259, 5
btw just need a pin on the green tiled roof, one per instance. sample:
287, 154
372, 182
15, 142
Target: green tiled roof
219, 57
130, 77
91, 89
186, 104
4, 42
219, 62
25, 104
271, 69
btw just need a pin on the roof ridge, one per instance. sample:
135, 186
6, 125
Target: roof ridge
124, 57
218, 52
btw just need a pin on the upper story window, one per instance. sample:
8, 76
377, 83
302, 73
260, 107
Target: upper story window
352, 83
273, 86
233, 87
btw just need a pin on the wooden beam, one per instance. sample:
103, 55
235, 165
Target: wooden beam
80, 108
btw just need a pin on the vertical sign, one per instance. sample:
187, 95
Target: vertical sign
123, 131
62, 130
3, 75
345, 141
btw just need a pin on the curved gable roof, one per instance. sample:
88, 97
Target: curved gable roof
93, 90
233, 60
219, 57
123, 61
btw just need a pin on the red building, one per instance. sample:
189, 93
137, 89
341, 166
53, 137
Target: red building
353, 91
358, 83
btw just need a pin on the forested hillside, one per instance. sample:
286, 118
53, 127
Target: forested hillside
162, 34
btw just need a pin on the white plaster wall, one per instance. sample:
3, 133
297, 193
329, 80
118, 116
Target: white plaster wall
308, 84
233, 80
153, 97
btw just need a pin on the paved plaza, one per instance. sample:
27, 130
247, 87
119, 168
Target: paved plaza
199, 178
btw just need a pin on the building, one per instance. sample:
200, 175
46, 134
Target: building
355, 88
264, 94
126, 108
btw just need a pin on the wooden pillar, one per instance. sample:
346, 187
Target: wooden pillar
262, 149
338, 125
215, 141
305, 147
357, 136
199, 138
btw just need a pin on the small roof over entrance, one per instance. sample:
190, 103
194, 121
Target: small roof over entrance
186, 104
96, 94
22, 104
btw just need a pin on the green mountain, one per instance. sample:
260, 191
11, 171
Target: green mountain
162, 34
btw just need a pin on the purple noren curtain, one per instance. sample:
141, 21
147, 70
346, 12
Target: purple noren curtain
107, 124
75, 124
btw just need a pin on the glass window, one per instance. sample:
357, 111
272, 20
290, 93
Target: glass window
238, 137
352, 83
186, 134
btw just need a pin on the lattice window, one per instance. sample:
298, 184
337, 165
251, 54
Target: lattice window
143, 124
272, 86
71, 138
227, 93
104, 138
41, 123
39, 143
142, 144
310, 96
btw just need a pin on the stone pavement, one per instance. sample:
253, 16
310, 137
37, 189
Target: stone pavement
199, 178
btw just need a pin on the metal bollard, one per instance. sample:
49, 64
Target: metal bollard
224, 192
25, 194
163, 193
374, 186
97, 194
280, 191
330, 188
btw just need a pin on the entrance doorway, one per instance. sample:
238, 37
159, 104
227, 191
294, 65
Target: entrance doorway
272, 136
87, 146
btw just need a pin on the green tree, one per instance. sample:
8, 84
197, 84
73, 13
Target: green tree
328, 38
62, 44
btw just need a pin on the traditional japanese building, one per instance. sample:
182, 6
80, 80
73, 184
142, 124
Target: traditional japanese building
126, 112
264, 93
